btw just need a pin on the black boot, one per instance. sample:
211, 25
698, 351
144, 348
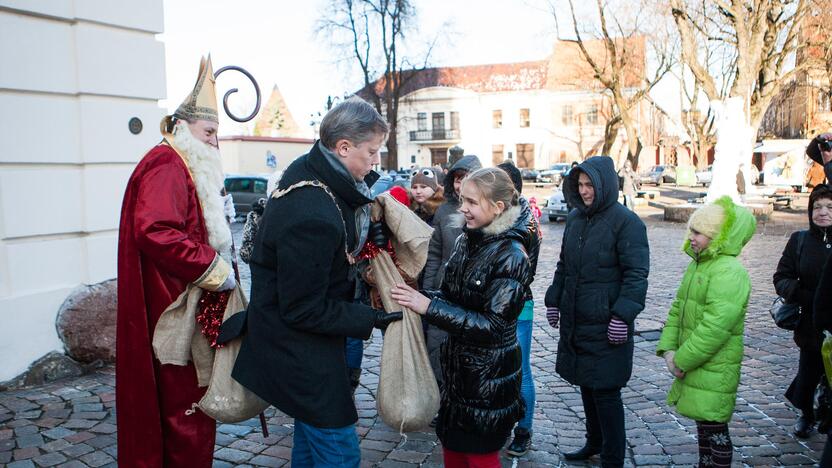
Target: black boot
583, 453
803, 427
521, 444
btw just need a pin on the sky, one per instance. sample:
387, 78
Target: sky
275, 40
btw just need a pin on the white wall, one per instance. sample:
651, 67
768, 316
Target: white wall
477, 135
74, 73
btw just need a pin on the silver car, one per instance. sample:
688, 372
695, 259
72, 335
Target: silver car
245, 190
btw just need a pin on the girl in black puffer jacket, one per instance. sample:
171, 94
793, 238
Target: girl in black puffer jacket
481, 295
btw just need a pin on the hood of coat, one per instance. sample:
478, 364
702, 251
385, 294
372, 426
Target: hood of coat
736, 230
513, 223
468, 163
601, 171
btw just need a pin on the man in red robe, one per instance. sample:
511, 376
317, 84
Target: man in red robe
173, 234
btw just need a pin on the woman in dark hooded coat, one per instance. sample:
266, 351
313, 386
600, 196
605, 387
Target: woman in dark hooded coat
598, 290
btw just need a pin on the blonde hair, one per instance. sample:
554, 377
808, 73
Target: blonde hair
494, 185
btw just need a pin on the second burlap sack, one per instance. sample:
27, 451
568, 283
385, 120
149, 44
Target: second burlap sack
408, 396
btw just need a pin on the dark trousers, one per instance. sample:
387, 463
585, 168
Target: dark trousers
801, 392
605, 423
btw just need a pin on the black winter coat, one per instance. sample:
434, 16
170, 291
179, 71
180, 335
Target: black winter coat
482, 294
301, 306
602, 273
797, 278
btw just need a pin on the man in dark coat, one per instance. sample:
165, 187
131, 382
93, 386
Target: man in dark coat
598, 290
303, 282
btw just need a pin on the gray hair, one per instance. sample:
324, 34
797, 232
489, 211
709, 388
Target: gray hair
354, 120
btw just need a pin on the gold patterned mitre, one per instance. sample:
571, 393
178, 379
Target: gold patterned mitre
201, 104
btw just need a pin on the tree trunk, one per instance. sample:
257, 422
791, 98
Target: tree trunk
610, 134
634, 145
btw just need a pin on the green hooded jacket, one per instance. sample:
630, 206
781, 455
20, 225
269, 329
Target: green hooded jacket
706, 320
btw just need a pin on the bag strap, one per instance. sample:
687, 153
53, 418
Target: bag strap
801, 238
277, 193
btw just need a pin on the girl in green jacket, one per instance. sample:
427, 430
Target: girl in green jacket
702, 337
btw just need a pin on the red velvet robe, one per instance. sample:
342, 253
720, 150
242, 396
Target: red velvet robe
163, 246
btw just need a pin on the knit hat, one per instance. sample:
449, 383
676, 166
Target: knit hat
514, 174
707, 220
425, 176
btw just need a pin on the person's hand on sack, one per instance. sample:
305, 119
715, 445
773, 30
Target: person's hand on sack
383, 319
671, 365
369, 278
377, 234
408, 297
229, 283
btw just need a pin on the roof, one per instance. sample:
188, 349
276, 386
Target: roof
266, 139
564, 69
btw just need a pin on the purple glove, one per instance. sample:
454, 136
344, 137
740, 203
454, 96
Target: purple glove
553, 315
617, 332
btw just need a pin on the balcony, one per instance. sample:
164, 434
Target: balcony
439, 134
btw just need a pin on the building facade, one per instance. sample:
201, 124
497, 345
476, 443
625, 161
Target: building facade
260, 155
79, 91
535, 113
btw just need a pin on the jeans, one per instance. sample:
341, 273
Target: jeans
524, 339
316, 447
355, 352
605, 423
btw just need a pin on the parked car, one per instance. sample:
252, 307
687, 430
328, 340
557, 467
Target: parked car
556, 207
245, 190
704, 176
659, 175
554, 174
529, 174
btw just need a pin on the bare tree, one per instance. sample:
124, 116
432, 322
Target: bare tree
756, 41
373, 35
620, 65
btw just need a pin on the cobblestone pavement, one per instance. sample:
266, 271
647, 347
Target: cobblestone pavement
72, 423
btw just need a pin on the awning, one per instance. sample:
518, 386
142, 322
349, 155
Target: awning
780, 146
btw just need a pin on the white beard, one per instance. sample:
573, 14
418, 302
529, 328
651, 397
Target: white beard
206, 172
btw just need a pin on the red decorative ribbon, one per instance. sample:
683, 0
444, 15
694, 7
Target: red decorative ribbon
210, 310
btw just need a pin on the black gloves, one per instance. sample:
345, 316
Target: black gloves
377, 234
383, 319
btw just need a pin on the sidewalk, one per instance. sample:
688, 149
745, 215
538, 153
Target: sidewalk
72, 423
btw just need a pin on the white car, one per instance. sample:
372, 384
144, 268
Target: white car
556, 206
704, 176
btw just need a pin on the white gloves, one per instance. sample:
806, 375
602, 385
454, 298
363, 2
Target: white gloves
228, 208
229, 283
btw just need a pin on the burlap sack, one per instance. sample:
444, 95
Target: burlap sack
408, 396
226, 400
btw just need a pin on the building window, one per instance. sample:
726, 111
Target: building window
454, 120
592, 115
566, 115
525, 155
422, 121
497, 118
524, 118
438, 120
413, 159
496, 154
